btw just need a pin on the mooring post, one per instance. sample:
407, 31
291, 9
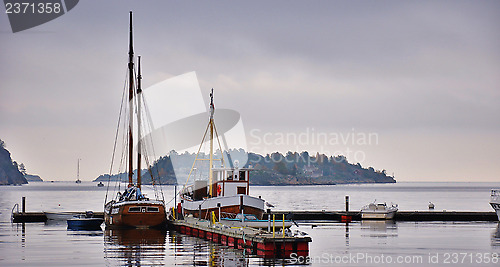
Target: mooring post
218, 207
175, 195
283, 229
346, 204
182, 208
269, 220
274, 227
24, 205
241, 209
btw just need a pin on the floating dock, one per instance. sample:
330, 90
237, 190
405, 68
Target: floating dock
22, 217
258, 242
415, 216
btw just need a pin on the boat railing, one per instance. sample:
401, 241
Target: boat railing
228, 215
16, 206
495, 195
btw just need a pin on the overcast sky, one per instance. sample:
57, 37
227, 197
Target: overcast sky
423, 76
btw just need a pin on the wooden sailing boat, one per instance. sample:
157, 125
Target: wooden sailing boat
131, 208
227, 188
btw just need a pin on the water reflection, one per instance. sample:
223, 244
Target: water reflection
188, 250
135, 247
495, 237
347, 234
78, 232
379, 229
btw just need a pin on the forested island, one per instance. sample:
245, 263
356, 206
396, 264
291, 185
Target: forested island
293, 168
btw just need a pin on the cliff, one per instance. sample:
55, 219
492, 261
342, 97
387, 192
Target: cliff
9, 171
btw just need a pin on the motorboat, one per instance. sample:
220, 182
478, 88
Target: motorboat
379, 211
85, 221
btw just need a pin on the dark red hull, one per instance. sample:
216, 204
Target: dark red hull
136, 215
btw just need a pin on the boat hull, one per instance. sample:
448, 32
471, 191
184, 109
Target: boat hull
136, 214
85, 223
496, 207
378, 211
495, 201
229, 204
369, 215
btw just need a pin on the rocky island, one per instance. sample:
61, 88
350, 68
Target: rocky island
9, 170
293, 168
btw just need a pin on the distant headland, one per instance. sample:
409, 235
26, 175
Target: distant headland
293, 168
9, 170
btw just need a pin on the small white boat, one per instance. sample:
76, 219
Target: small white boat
495, 201
378, 211
250, 220
85, 221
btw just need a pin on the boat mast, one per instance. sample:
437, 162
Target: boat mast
130, 105
212, 109
78, 170
139, 94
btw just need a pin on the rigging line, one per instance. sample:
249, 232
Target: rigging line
203, 139
124, 147
123, 156
221, 151
116, 139
149, 121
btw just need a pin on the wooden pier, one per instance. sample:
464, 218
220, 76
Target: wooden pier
23, 217
414, 216
399, 216
258, 242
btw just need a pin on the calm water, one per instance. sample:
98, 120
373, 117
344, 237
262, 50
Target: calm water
334, 244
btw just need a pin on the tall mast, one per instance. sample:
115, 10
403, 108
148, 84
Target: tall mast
130, 105
139, 94
212, 109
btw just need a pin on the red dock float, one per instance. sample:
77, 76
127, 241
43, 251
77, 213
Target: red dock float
254, 241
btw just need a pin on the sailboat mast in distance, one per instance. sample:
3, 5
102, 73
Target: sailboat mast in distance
78, 172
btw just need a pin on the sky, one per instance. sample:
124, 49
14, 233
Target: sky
412, 87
